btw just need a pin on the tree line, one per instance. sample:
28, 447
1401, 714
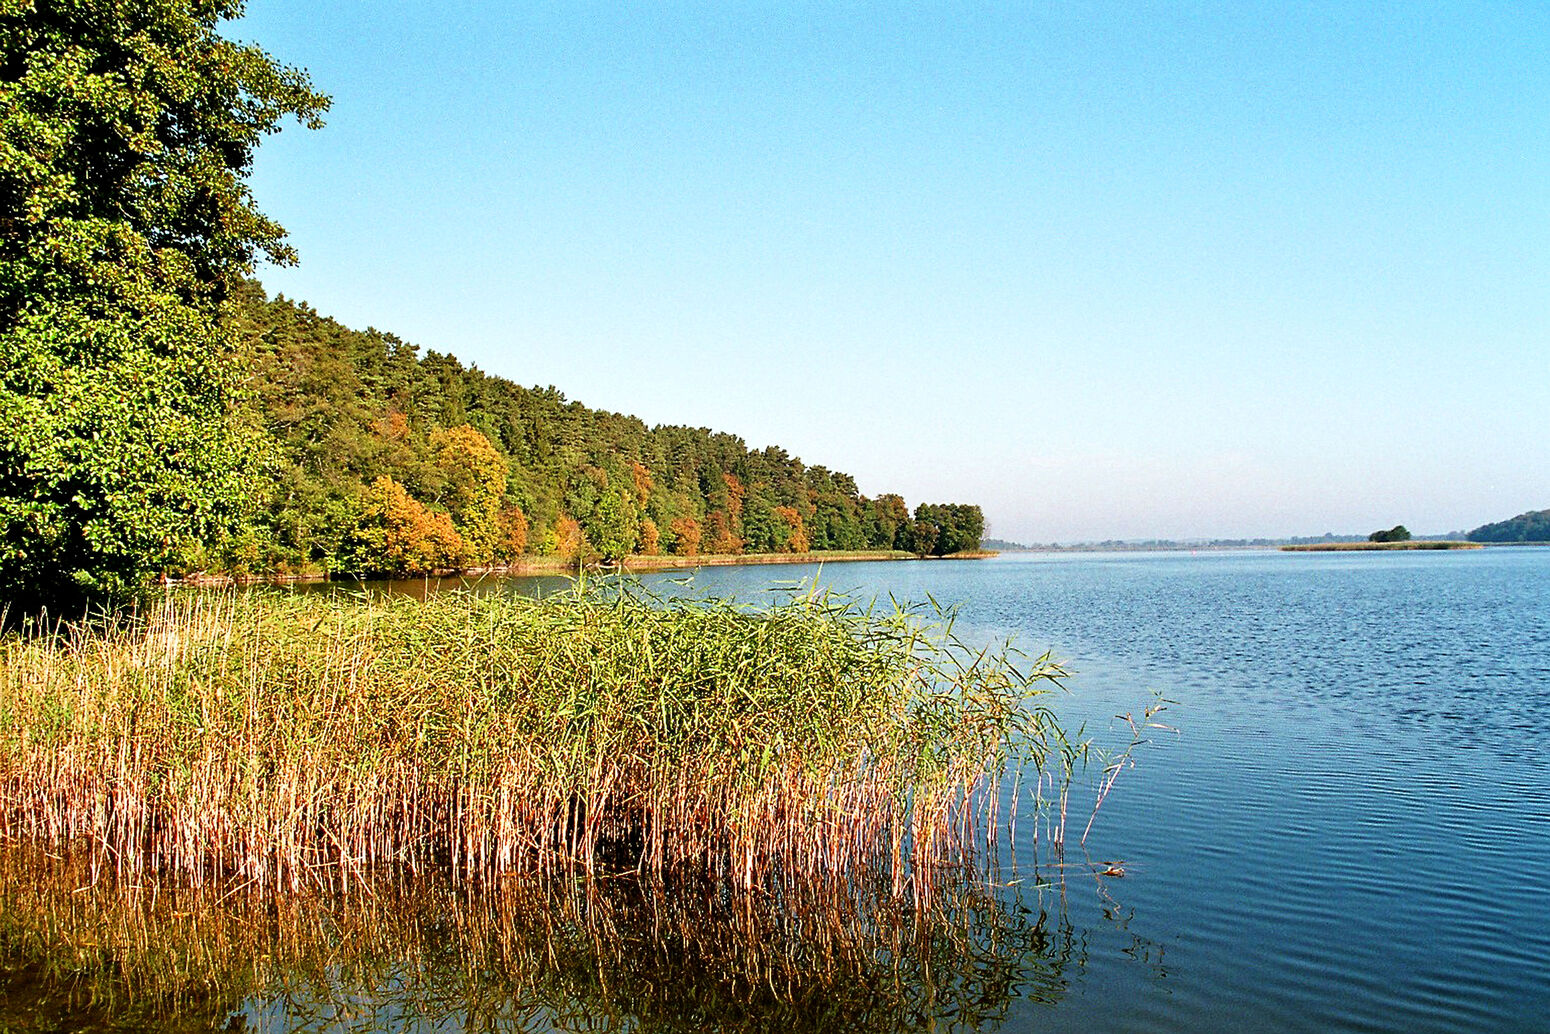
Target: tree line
1533, 526
384, 460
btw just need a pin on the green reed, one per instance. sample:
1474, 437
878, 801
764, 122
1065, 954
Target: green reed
295, 739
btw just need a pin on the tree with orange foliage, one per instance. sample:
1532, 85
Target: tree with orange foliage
735, 493
398, 535
686, 536
641, 477
568, 539
796, 537
650, 537
510, 534
719, 531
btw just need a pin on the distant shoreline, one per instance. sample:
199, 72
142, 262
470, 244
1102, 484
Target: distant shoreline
1236, 547
1353, 547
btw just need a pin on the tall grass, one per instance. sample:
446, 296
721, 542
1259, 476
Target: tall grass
293, 740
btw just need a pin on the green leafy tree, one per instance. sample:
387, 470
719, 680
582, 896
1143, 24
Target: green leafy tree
920, 537
614, 526
126, 133
1398, 533
948, 528
888, 522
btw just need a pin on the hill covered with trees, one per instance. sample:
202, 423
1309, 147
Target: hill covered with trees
384, 460
1533, 526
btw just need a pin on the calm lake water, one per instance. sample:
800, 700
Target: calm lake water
1350, 830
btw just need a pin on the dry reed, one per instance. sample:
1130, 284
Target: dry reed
303, 740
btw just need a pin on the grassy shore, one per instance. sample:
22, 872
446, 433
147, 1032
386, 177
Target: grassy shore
663, 563
291, 739
539, 565
1352, 547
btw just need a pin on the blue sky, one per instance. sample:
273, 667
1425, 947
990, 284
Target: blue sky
1111, 270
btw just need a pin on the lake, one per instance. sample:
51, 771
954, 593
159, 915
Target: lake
1349, 831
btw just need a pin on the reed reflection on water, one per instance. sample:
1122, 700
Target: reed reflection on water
81, 951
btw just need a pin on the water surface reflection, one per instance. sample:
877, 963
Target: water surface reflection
82, 951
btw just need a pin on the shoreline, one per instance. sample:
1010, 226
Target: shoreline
640, 563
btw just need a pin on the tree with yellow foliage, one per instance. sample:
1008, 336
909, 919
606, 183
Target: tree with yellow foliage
474, 487
397, 535
650, 537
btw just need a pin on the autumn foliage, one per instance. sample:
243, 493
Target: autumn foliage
511, 534
796, 540
398, 535
568, 539
473, 488
718, 530
347, 407
650, 537
686, 536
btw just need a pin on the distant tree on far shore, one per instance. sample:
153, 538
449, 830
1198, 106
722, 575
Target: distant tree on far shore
1398, 533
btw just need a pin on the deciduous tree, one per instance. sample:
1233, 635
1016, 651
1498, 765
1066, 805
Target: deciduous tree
569, 542
947, 527
398, 535
614, 527
473, 474
686, 536
126, 134
511, 534
718, 533
650, 537
796, 532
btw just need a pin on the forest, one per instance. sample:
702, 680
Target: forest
1533, 526
383, 460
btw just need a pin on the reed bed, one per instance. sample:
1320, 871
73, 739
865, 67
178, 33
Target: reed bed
295, 740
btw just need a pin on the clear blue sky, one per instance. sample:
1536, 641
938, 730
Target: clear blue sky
1111, 270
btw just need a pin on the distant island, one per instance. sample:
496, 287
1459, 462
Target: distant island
1381, 544
1295, 543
